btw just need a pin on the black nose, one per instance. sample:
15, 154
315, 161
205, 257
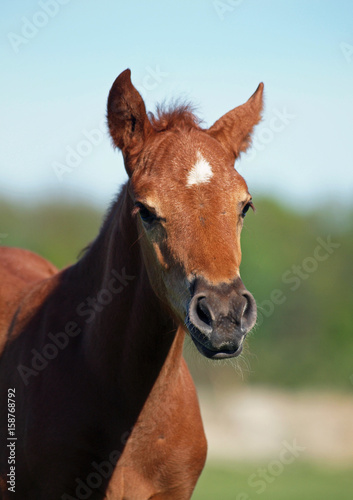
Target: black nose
220, 317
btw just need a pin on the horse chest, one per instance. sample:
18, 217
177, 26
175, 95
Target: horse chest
165, 452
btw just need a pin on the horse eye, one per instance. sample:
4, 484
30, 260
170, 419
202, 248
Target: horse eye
146, 215
246, 208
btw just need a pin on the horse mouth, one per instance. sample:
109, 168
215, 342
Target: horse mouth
213, 353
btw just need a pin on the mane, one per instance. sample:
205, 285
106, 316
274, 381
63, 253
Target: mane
174, 116
109, 214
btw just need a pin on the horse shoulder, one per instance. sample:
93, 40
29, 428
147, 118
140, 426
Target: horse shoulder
167, 448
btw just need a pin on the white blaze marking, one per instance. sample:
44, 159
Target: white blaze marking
200, 172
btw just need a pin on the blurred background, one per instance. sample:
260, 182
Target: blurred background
279, 421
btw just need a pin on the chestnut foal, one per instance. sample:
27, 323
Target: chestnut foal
96, 399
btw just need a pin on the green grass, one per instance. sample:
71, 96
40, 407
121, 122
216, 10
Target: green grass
304, 481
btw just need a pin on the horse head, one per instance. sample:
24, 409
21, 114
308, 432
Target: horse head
189, 205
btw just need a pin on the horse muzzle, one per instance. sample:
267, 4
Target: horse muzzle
219, 318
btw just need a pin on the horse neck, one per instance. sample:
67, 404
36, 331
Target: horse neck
129, 336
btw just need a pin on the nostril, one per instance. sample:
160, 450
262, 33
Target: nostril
203, 311
249, 311
200, 314
247, 305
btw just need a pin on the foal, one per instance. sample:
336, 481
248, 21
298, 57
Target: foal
96, 398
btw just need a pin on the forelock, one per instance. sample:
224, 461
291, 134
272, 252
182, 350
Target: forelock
174, 116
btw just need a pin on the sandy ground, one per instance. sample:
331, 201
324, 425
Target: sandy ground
256, 424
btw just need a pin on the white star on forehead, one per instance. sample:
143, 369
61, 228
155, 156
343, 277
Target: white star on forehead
201, 172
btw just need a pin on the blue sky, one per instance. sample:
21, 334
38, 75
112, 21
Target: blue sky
57, 69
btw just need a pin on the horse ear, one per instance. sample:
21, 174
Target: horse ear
127, 118
233, 130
